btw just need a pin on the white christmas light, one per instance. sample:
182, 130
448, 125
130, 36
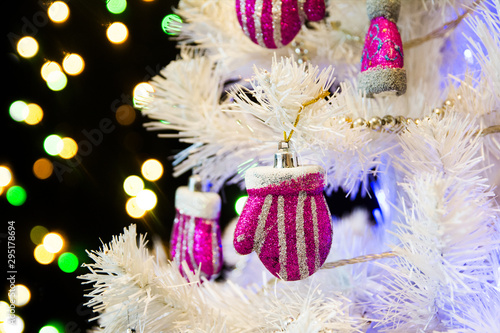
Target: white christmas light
146, 199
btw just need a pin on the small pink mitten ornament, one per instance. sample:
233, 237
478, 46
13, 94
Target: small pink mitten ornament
196, 236
275, 23
382, 61
286, 220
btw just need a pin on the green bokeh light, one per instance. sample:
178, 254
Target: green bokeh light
51, 144
16, 195
18, 110
48, 329
240, 203
52, 327
116, 6
57, 81
67, 262
171, 24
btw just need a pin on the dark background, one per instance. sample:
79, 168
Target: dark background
87, 203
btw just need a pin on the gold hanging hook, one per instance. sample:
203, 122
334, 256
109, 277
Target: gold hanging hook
323, 94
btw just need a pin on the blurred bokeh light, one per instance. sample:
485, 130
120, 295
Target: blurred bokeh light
152, 169
117, 33
58, 12
53, 242
27, 47
73, 64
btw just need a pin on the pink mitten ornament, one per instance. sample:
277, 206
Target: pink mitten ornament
196, 236
382, 61
286, 219
275, 23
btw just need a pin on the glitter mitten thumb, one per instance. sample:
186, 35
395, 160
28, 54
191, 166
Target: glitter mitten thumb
286, 220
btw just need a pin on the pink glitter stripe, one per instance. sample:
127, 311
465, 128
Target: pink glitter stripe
292, 268
325, 229
314, 9
238, 12
192, 241
290, 21
266, 23
202, 250
249, 12
383, 46
244, 232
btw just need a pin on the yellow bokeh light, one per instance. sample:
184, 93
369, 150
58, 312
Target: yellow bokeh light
68, 148
43, 256
43, 168
37, 233
14, 324
4, 311
146, 199
133, 209
152, 169
132, 185
20, 296
49, 67
117, 33
5, 176
73, 64
35, 114
58, 12
27, 47
142, 93
53, 242
125, 114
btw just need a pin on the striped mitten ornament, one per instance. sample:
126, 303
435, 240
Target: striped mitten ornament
275, 23
382, 60
196, 236
286, 220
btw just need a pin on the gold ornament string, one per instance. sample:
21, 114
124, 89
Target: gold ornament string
490, 130
322, 95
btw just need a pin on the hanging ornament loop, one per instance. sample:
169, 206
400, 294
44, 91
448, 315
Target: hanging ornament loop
195, 184
322, 95
285, 156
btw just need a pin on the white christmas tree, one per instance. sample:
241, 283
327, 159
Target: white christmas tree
431, 264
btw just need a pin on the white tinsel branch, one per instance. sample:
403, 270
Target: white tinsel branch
448, 240
131, 290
